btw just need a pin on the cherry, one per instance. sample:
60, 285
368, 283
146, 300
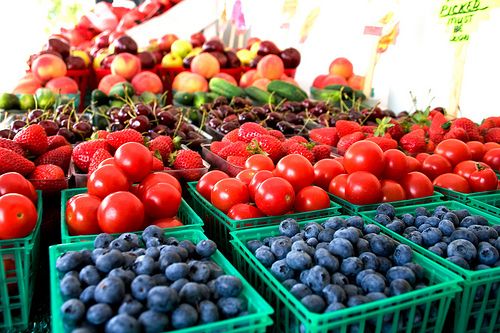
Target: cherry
116, 127
35, 116
7, 134
82, 128
143, 110
139, 123
166, 118
50, 127
17, 125
67, 134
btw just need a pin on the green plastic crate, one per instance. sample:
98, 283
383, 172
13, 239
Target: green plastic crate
291, 314
489, 203
350, 208
186, 214
17, 283
218, 225
469, 313
259, 311
461, 197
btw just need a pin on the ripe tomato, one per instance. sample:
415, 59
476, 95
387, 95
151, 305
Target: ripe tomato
18, 216
257, 179
259, 162
484, 179
106, 180
421, 157
413, 164
228, 192
161, 200
81, 214
392, 191
490, 146
477, 150
208, 181
169, 222
453, 182
108, 161
396, 164
120, 212
243, 212
492, 158
156, 178
135, 160
296, 169
363, 188
337, 185
325, 170
364, 156
435, 165
13, 182
275, 196
246, 175
311, 198
454, 150
417, 185
466, 168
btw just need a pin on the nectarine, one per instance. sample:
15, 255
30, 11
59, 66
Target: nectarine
108, 81
27, 86
227, 77
356, 82
318, 81
147, 81
247, 78
125, 64
333, 79
62, 85
342, 67
261, 83
189, 82
271, 67
205, 64
48, 66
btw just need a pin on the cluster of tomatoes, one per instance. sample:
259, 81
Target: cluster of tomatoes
123, 195
263, 189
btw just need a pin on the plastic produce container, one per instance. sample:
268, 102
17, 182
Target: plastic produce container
461, 197
489, 203
186, 214
477, 307
256, 321
394, 314
218, 162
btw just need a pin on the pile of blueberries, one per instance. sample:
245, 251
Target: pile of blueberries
123, 287
464, 239
339, 263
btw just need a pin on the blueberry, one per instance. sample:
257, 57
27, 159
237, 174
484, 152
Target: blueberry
153, 322
128, 259
99, 313
228, 286
70, 286
87, 295
179, 250
172, 241
415, 237
152, 242
446, 227
382, 219
144, 265
162, 299
110, 290
464, 234
106, 262
102, 241
382, 245
472, 220
397, 226
85, 329
369, 236
206, 248
496, 243
72, 311
408, 230
487, 253
417, 270
153, 252
356, 222
481, 267
334, 307
423, 227
140, 287
460, 261
231, 306
370, 260
289, 227
431, 236
199, 271
402, 254
351, 290
312, 242
351, 266
253, 245
302, 246
188, 246
372, 283
326, 260
314, 303
192, 293
482, 232
132, 238
177, 285
357, 300
371, 228
267, 241
335, 223
122, 323
69, 261
265, 256
376, 296
339, 279
341, 247
297, 237
386, 209
303, 277
334, 294
349, 233
326, 235
208, 312
363, 246
399, 286
300, 290
384, 264
298, 260
419, 220
322, 245
127, 276
408, 219
153, 231
288, 284
121, 245
177, 271
422, 211
433, 221
492, 232
436, 250
168, 258
462, 248
130, 306
312, 230
401, 273
281, 247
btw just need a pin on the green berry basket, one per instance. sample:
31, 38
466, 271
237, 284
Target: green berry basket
218, 225
489, 203
186, 214
255, 321
477, 308
394, 314
462, 197
18, 268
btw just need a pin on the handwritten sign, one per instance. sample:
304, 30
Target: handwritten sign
462, 17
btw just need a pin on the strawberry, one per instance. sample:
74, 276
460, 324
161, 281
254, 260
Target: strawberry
297, 138
346, 127
347, 140
267, 144
277, 134
163, 144
13, 162
321, 152
368, 129
100, 134
238, 161
416, 127
414, 142
384, 143
217, 146
301, 149
48, 177
457, 133
493, 135
83, 152
325, 136
234, 149
248, 131
99, 156
470, 128
118, 138
396, 131
61, 156
33, 139
11, 145
431, 146
487, 124
157, 164
438, 127
56, 141
231, 136
185, 160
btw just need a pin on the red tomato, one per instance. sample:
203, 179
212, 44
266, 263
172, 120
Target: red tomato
228, 192
18, 216
259, 162
246, 175
161, 200
363, 188
413, 164
296, 169
417, 185
275, 196
311, 198
244, 212
340, 159
81, 214
120, 212
454, 150
156, 178
436, 165
169, 222
396, 164
453, 182
477, 150
108, 161
338, 184
392, 191
135, 160
466, 168
208, 181
257, 179
364, 156
13, 182
484, 179
492, 158
106, 180
325, 170
421, 157
491, 145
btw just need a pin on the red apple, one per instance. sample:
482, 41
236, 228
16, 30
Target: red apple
197, 39
267, 47
147, 59
290, 57
166, 41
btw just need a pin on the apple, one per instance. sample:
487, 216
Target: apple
251, 41
255, 61
255, 48
166, 42
221, 57
342, 67
106, 61
158, 56
124, 44
213, 45
232, 60
181, 48
81, 54
101, 41
197, 39
267, 47
147, 59
58, 45
194, 52
73, 62
290, 57
171, 60
245, 56
186, 62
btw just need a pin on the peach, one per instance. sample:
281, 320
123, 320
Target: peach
356, 82
261, 83
126, 65
189, 82
48, 66
318, 81
205, 64
108, 81
147, 81
342, 67
27, 86
247, 78
227, 77
271, 67
62, 85
333, 79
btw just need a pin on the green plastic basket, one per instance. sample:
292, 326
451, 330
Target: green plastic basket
186, 214
489, 203
259, 311
470, 313
350, 208
18, 268
218, 225
433, 301
462, 197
